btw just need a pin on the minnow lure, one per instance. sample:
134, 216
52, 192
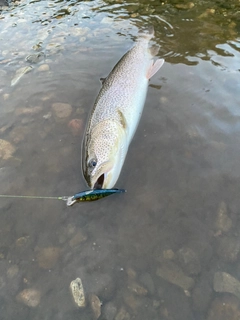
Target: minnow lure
88, 195
91, 195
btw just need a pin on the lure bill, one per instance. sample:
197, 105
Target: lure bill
91, 195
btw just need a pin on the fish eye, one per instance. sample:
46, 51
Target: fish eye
92, 163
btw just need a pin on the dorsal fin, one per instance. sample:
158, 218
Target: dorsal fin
103, 80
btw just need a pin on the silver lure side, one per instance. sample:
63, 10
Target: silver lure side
116, 114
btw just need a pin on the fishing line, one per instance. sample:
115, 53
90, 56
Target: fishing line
32, 197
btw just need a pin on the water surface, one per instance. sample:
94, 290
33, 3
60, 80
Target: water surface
182, 172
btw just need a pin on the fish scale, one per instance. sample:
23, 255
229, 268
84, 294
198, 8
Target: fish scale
116, 114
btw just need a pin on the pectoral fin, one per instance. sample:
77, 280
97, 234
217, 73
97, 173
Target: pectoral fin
154, 68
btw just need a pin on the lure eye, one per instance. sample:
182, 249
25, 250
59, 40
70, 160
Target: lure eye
92, 163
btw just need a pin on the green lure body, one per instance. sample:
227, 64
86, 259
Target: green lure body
92, 195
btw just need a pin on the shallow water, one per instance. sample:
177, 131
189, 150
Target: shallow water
182, 172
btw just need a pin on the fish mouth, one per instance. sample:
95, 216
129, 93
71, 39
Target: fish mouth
99, 183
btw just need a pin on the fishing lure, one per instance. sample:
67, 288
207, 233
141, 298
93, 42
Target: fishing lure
88, 195
91, 195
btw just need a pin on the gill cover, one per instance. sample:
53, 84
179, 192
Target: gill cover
104, 152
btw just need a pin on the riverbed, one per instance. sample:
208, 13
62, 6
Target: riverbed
167, 249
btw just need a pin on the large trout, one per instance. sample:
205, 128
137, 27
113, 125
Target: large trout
116, 114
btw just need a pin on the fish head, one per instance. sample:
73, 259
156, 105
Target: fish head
104, 155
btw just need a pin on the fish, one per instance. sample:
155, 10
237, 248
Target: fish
91, 195
116, 113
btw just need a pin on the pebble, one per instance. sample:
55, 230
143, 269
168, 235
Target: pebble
107, 20
6, 96
109, 311
28, 111
131, 301
77, 239
79, 31
175, 305
223, 222
61, 111
201, 295
43, 67
147, 281
78, 294
131, 273
76, 126
48, 257
174, 274
122, 315
103, 285
185, 6
168, 254
209, 11
224, 282
6, 149
12, 271
20, 242
224, 308
5, 128
19, 74
29, 297
18, 134
35, 57
95, 304
229, 248
137, 289
189, 261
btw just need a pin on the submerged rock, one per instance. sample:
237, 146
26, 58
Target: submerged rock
76, 126
229, 248
132, 302
189, 260
147, 281
43, 67
61, 111
95, 304
175, 306
78, 238
78, 294
122, 315
224, 282
12, 271
109, 311
224, 308
201, 295
19, 74
223, 222
20, 242
18, 134
6, 149
28, 111
137, 289
185, 6
29, 297
174, 274
48, 257
35, 57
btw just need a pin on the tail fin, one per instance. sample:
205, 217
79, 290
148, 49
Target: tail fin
147, 33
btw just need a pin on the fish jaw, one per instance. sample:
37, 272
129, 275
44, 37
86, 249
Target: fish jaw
105, 151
